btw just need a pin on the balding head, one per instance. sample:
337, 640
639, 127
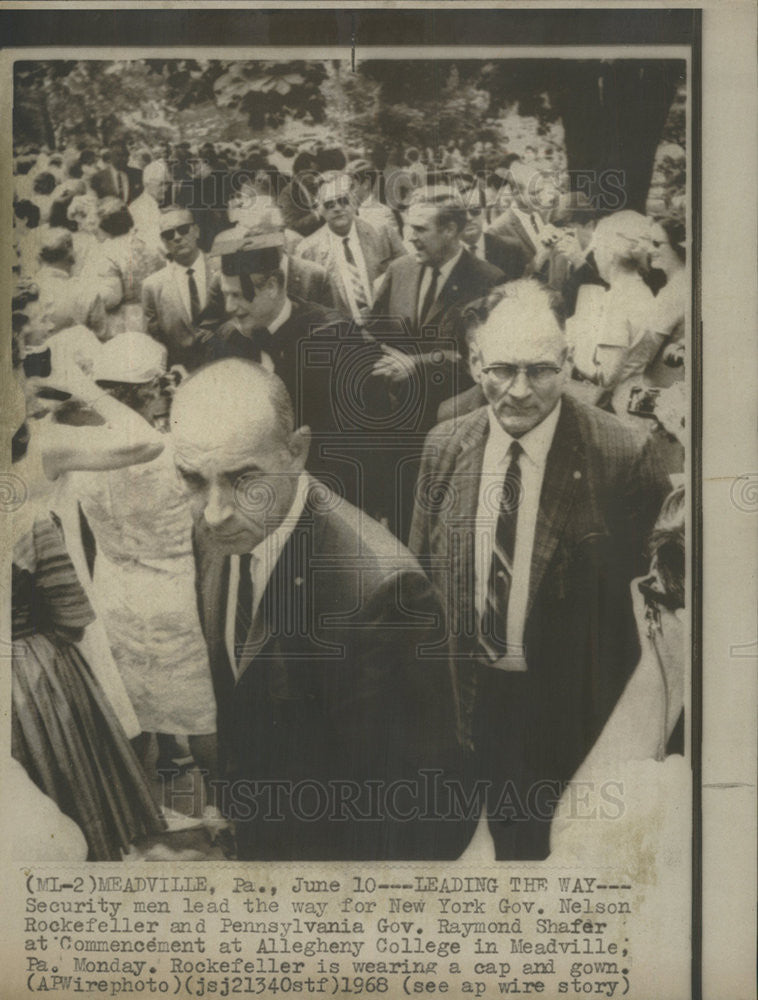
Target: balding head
237, 450
519, 355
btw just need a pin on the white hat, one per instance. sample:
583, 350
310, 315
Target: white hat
130, 357
74, 348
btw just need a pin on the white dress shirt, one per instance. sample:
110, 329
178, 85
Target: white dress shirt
285, 313
338, 252
199, 273
123, 177
478, 249
264, 558
426, 279
536, 444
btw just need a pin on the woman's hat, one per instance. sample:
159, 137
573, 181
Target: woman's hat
130, 357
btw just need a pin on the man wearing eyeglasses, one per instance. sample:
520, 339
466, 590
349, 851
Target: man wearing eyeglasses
175, 299
531, 512
354, 254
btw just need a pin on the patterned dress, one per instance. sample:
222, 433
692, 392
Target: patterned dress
64, 731
144, 592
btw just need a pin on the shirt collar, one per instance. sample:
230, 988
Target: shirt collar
267, 552
448, 266
196, 265
535, 443
282, 318
351, 235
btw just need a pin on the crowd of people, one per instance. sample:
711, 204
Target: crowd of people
344, 462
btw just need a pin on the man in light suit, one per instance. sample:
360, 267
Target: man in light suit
316, 621
353, 253
176, 300
532, 515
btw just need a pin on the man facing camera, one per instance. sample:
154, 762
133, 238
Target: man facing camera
330, 706
533, 513
353, 253
176, 299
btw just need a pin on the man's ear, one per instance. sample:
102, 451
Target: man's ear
475, 362
299, 446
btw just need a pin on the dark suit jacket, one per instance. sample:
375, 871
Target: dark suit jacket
397, 299
509, 227
103, 184
167, 320
506, 254
377, 249
289, 350
600, 496
340, 691
308, 280
409, 409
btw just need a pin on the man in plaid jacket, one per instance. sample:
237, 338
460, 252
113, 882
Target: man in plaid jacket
531, 517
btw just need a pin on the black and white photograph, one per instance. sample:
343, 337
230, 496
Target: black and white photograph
355, 499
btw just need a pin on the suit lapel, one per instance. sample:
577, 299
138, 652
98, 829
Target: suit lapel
283, 613
371, 252
451, 293
563, 472
175, 292
213, 577
461, 527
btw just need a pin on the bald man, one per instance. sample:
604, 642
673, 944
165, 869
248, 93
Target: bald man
321, 628
532, 514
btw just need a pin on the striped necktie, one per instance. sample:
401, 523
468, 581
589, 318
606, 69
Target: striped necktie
494, 622
356, 282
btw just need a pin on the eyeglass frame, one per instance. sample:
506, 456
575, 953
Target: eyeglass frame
544, 370
167, 235
343, 200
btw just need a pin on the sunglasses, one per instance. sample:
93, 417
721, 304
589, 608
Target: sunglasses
169, 234
342, 202
474, 213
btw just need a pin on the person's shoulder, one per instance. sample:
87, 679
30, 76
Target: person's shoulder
303, 264
458, 429
480, 269
157, 278
405, 265
341, 529
319, 238
312, 313
602, 430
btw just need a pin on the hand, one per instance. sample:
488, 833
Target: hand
670, 411
394, 364
673, 355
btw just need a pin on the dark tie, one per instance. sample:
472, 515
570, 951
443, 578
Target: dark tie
431, 295
494, 623
263, 340
193, 294
120, 185
359, 292
244, 614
